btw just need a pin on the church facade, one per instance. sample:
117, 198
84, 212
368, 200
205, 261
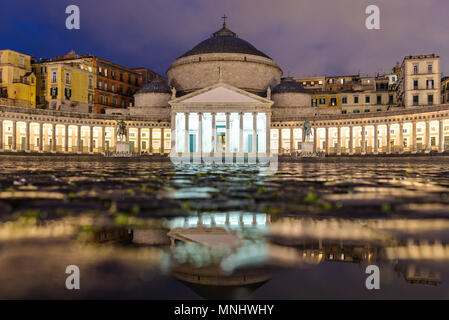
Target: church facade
225, 97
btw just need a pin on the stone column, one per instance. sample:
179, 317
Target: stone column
326, 141
80, 147
186, 135
268, 139
315, 138
363, 146
91, 139
413, 147
163, 141
440, 136
351, 139
292, 140
66, 138
228, 133
173, 139
41, 136
254, 132
428, 146
200, 133
114, 137
1, 135
339, 140
388, 138
375, 144
139, 140
103, 139
14, 135
53, 137
214, 133
27, 136
280, 141
401, 137
241, 132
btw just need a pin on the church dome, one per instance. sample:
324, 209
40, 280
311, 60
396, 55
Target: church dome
224, 41
289, 85
156, 86
227, 58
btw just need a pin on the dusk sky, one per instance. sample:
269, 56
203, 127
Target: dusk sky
305, 37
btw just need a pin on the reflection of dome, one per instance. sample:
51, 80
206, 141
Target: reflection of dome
224, 41
288, 85
224, 55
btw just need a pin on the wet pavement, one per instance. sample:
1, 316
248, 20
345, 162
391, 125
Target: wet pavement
152, 230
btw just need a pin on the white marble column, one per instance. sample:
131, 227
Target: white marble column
401, 137
186, 135
200, 133
280, 141
241, 132
103, 139
228, 133
440, 136
254, 132
292, 140
268, 139
173, 132
14, 135
315, 138
163, 141
326, 141
214, 133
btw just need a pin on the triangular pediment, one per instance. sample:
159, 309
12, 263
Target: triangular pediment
221, 93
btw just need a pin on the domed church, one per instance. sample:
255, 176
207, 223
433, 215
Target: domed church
220, 97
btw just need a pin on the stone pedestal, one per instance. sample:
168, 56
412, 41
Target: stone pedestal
306, 147
123, 147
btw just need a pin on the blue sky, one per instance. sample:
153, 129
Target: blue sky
305, 37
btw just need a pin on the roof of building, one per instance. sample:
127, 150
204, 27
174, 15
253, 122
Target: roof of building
155, 86
289, 85
224, 41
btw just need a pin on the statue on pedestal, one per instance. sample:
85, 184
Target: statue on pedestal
121, 130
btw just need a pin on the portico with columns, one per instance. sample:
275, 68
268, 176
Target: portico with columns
221, 119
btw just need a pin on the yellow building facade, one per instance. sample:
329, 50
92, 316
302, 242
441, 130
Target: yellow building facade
17, 81
66, 86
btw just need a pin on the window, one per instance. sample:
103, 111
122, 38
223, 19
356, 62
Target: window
44, 84
67, 78
114, 101
415, 69
101, 99
90, 109
99, 84
366, 110
121, 76
91, 83
68, 93
430, 84
379, 99
356, 99
105, 72
367, 99
106, 86
415, 84
314, 102
53, 76
390, 99
91, 98
113, 87
322, 100
430, 99
54, 92
344, 100
356, 111
415, 100
344, 111
21, 61
429, 68
333, 102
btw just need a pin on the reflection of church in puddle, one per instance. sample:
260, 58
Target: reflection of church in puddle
229, 255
